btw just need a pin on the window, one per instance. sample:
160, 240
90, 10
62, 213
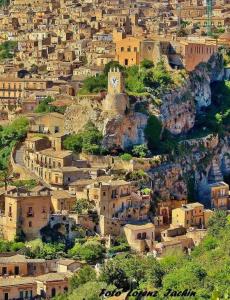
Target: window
122, 49
10, 211
139, 236
30, 212
16, 270
126, 62
143, 235
21, 295
30, 224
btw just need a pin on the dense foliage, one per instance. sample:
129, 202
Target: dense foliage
9, 135
10, 246
138, 79
90, 251
206, 270
7, 49
82, 206
88, 140
46, 106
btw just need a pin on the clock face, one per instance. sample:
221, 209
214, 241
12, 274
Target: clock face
114, 81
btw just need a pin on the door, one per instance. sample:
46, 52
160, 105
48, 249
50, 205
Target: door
6, 296
53, 292
4, 270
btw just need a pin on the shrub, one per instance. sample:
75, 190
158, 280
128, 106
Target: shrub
140, 150
88, 140
126, 156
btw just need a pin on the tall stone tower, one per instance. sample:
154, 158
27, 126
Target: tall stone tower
115, 82
116, 101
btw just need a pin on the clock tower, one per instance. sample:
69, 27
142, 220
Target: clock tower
116, 101
115, 82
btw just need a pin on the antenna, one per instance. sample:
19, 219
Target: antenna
209, 17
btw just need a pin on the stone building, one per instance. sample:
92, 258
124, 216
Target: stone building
189, 215
116, 203
25, 213
218, 194
140, 237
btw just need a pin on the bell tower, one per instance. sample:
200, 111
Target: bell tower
115, 82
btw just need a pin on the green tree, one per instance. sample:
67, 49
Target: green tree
74, 142
91, 251
7, 49
9, 135
88, 140
126, 156
88, 291
82, 205
158, 77
140, 150
217, 222
85, 275
147, 64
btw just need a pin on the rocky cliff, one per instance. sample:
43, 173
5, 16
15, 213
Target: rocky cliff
120, 131
124, 131
203, 161
177, 110
179, 107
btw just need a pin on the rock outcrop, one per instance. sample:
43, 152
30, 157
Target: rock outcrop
124, 131
120, 131
179, 107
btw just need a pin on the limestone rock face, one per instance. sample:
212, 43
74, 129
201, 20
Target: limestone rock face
77, 116
120, 130
179, 108
168, 183
202, 77
124, 131
178, 112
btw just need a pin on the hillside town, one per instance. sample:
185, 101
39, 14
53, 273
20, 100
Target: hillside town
114, 149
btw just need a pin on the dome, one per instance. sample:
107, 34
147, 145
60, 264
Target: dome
225, 36
116, 104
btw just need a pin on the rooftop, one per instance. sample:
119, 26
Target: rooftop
140, 226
